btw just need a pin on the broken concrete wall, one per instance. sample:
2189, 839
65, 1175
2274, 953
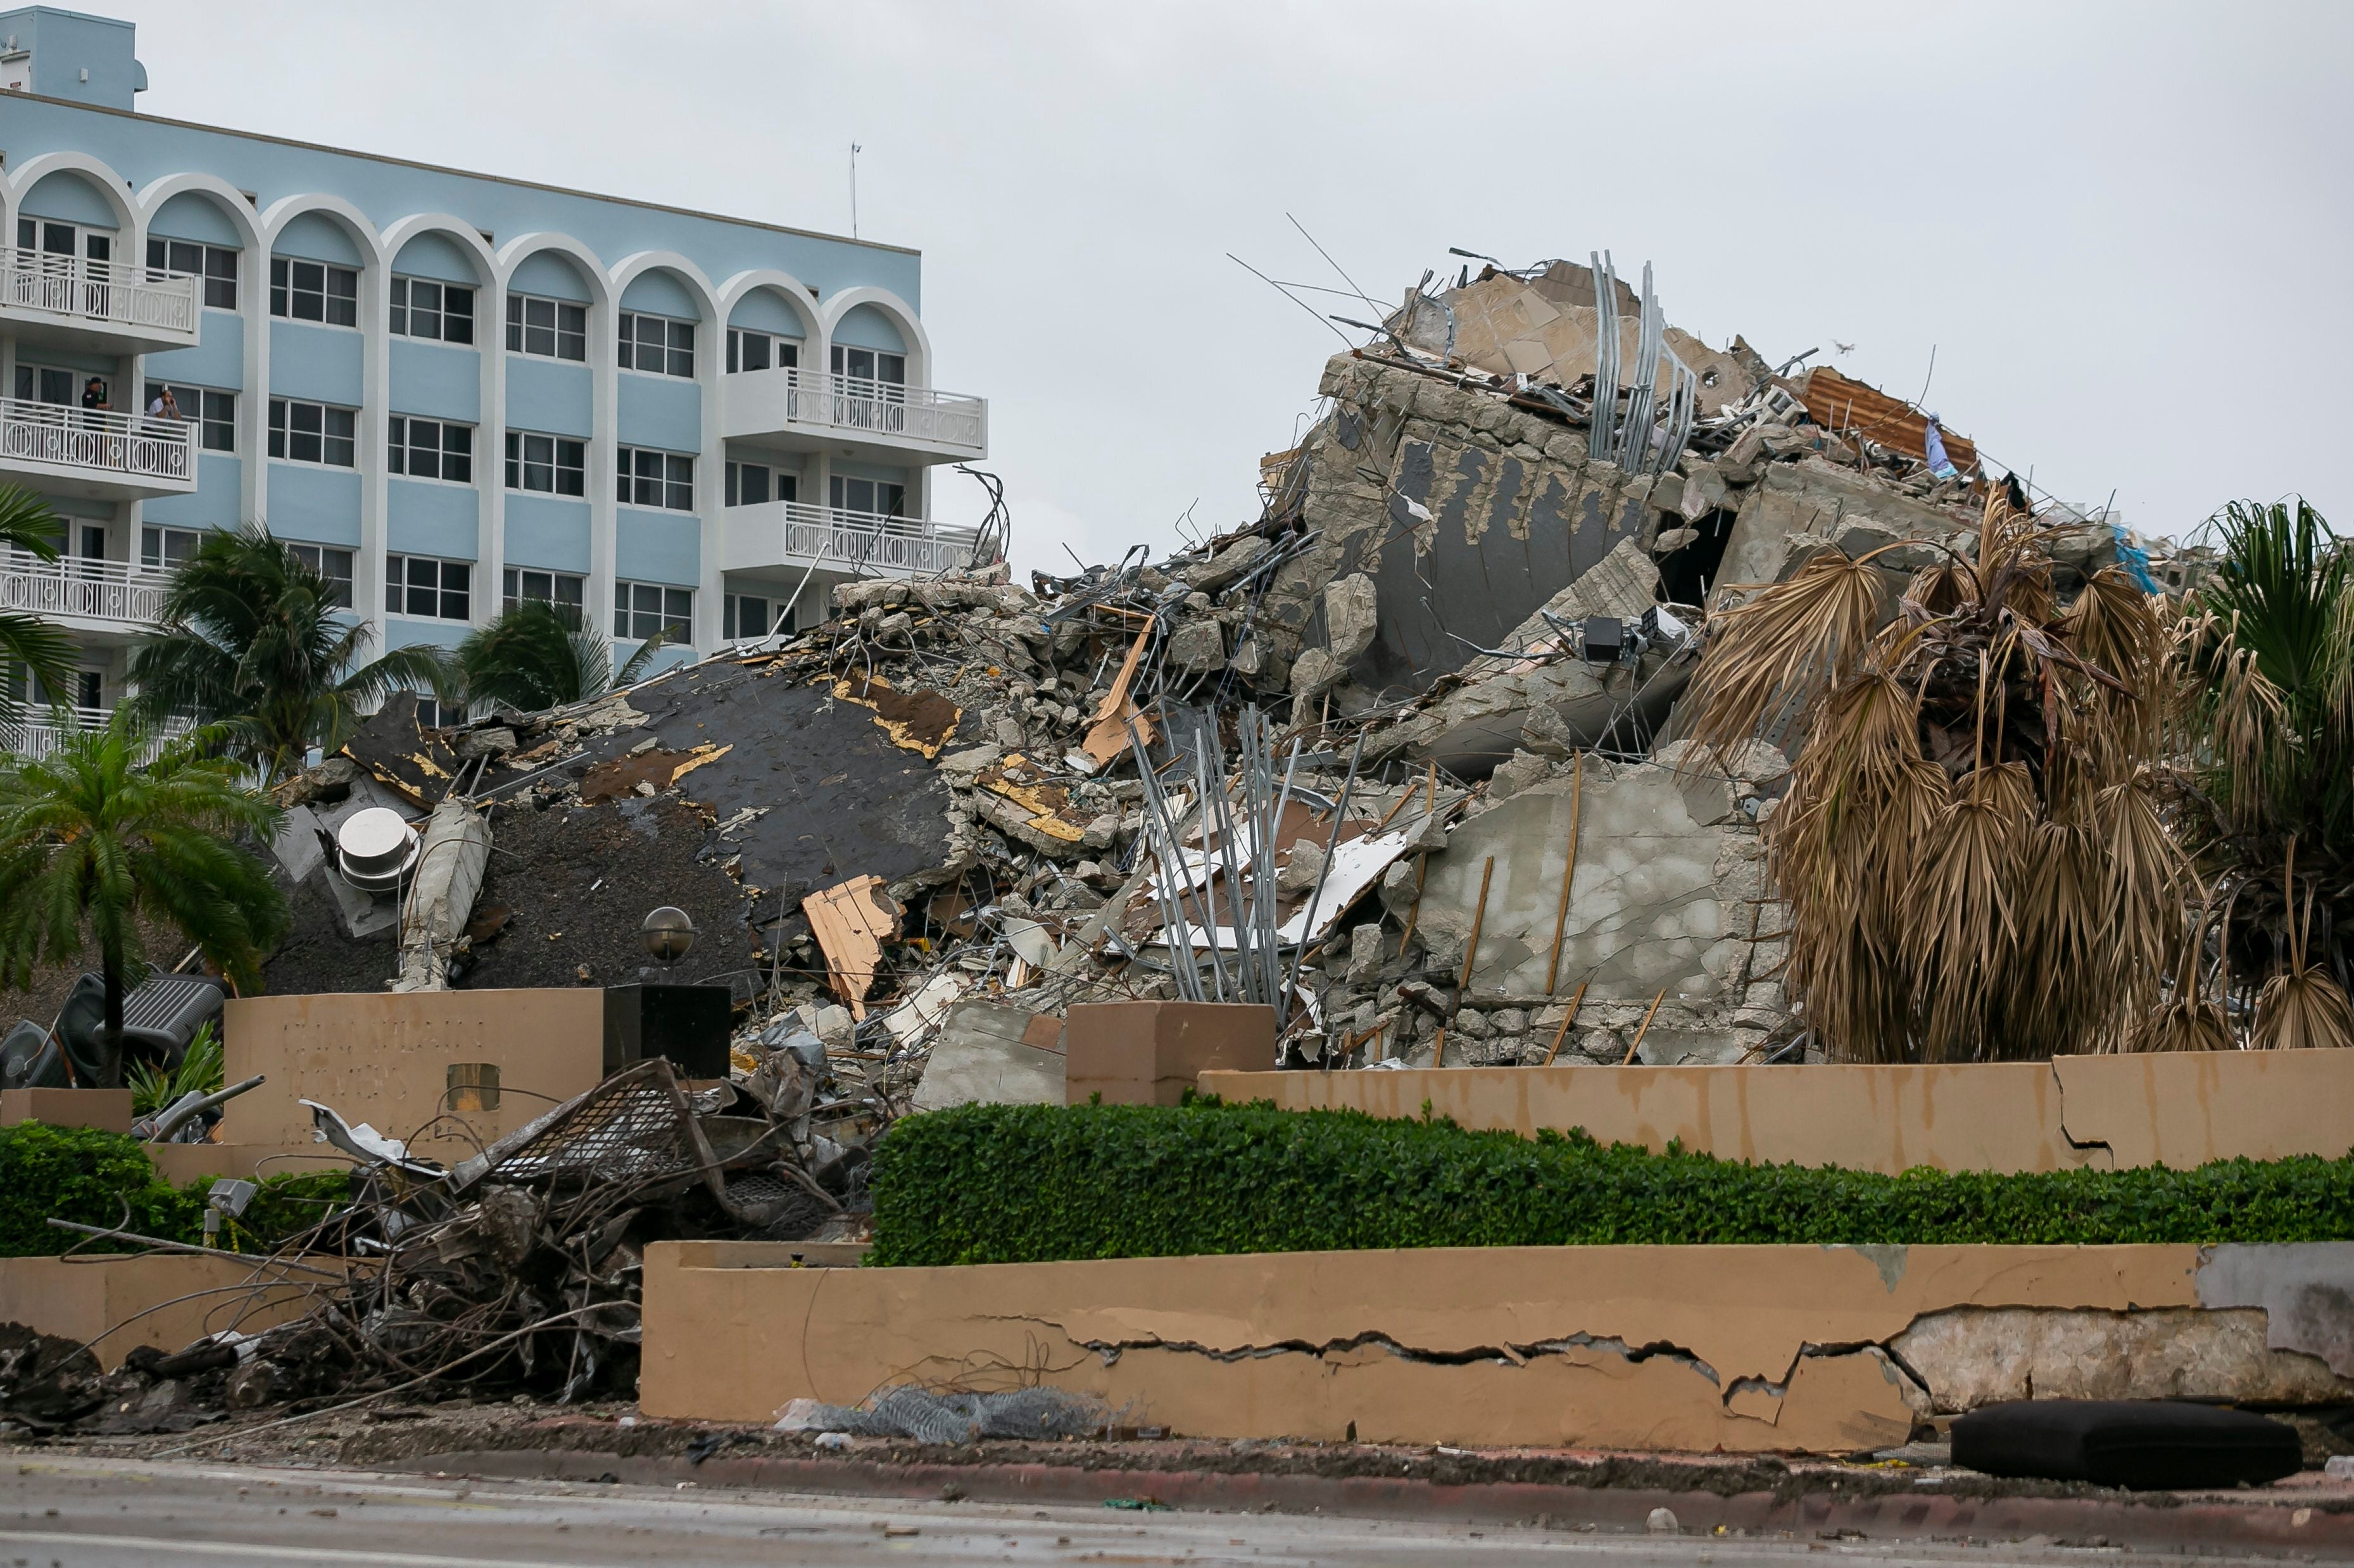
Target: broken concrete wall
159, 1300
2108, 1112
1664, 905
1796, 509
1699, 1347
1516, 513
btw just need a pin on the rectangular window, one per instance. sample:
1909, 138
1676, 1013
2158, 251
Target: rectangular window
561, 589
311, 432
745, 616
423, 587
751, 483
641, 609
657, 344
332, 564
870, 365
648, 478
874, 496
214, 412
216, 264
162, 549
438, 312
751, 350
548, 329
45, 383
314, 292
552, 465
431, 448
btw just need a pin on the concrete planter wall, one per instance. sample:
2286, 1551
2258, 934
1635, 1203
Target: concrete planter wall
1740, 1349
1150, 1053
2110, 1112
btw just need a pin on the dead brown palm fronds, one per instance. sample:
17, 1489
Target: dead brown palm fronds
2302, 1006
1793, 642
1972, 868
2189, 1020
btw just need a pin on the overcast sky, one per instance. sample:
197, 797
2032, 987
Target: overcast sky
2125, 229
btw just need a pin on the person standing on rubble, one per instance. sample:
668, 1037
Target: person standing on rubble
1933, 445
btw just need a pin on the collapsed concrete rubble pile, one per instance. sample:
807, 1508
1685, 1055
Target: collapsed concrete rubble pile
922, 830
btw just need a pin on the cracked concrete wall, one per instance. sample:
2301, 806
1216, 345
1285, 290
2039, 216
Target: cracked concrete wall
1667, 897
1701, 1348
2180, 1110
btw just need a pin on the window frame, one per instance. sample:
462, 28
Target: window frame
779, 483
673, 348
519, 463
774, 344
404, 312
160, 559
401, 450
282, 432
839, 357
514, 586
216, 281
403, 583
731, 616
283, 289
627, 613
323, 560
672, 492
520, 327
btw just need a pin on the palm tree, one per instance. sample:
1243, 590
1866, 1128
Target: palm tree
1971, 850
97, 837
535, 655
2266, 708
250, 639
27, 523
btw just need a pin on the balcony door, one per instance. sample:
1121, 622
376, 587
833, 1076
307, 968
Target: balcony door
877, 496
871, 365
68, 239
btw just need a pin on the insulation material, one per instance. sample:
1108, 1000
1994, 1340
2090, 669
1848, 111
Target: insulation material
851, 923
920, 722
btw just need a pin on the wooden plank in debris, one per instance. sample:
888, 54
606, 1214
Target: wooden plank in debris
850, 922
1108, 737
1840, 403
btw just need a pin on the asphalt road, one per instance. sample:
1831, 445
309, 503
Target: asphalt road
78, 1512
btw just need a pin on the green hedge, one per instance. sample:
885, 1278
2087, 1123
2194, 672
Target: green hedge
1036, 1183
77, 1173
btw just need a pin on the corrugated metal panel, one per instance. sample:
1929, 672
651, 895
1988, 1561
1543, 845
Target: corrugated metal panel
1840, 404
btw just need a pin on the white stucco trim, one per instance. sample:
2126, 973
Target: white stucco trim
111, 186
796, 292
919, 346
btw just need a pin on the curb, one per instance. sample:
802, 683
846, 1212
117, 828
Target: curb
2161, 1522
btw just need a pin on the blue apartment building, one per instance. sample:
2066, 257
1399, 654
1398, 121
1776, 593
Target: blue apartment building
448, 390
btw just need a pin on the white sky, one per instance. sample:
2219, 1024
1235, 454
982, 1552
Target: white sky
2125, 228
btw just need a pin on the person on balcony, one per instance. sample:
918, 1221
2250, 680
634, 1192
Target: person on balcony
165, 406
94, 397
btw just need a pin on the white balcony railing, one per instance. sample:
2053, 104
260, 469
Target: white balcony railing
829, 536
132, 446
37, 733
111, 291
813, 400
113, 591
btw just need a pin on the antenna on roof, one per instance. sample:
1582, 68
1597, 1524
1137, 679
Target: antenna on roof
854, 190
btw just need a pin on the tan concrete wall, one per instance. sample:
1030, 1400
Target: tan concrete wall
1211, 1346
109, 1110
164, 1301
2180, 1110
384, 1059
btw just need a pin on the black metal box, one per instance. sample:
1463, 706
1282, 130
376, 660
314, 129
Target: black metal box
688, 1023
